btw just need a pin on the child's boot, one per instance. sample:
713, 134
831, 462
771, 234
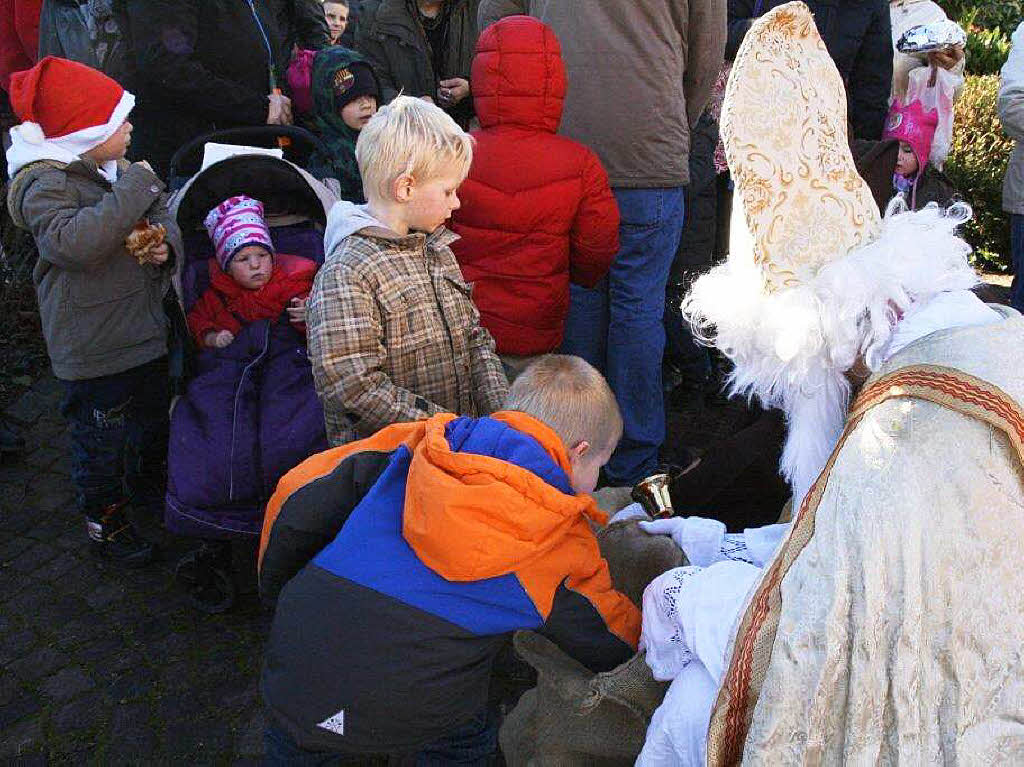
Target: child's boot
206, 573
112, 537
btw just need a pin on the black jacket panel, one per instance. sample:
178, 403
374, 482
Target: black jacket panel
325, 655
311, 517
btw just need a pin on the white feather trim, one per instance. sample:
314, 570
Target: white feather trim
791, 348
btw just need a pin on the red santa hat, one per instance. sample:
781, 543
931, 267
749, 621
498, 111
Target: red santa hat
69, 104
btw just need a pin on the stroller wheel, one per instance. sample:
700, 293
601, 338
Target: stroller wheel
207, 579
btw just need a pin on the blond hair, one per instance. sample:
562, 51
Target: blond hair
571, 397
410, 136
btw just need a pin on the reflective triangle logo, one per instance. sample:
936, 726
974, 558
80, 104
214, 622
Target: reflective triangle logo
335, 724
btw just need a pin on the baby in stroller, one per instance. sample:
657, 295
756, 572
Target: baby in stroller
248, 282
251, 413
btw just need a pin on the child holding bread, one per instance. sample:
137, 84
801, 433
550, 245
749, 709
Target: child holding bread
105, 238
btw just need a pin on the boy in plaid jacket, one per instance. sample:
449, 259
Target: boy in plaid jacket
393, 332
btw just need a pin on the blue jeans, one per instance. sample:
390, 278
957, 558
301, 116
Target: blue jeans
618, 328
470, 745
119, 427
1017, 255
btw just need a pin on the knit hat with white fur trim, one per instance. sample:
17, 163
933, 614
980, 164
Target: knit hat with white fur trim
68, 104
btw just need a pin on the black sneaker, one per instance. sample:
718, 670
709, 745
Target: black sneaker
112, 537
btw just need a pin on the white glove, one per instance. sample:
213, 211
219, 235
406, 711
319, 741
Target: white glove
763, 542
633, 511
700, 539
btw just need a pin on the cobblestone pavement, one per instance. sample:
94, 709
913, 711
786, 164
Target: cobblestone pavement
102, 665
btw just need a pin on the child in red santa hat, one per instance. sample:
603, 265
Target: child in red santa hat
248, 281
101, 304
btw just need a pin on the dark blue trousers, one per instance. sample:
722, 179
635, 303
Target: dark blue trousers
119, 426
618, 327
1017, 254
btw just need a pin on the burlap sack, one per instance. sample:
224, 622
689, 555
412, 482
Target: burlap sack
574, 716
611, 499
636, 558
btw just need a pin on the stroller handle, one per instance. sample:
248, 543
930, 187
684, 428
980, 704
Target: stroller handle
252, 134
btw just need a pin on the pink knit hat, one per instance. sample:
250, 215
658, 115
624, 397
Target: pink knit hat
235, 223
911, 123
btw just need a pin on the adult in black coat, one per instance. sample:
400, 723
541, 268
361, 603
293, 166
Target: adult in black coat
695, 255
858, 36
204, 65
422, 48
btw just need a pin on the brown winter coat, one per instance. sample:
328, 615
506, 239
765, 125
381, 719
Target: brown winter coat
102, 311
393, 333
640, 74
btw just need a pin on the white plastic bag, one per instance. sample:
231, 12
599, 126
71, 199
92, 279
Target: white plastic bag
936, 88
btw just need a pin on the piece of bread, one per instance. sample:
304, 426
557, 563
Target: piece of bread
143, 238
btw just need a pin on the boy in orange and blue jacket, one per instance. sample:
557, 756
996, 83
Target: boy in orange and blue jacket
402, 562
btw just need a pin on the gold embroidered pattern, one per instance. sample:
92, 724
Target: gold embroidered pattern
785, 136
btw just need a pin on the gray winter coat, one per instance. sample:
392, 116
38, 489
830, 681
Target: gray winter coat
1011, 112
102, 312
640, 74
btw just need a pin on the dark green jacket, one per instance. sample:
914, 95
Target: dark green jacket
392, 39
325, 120
102, 312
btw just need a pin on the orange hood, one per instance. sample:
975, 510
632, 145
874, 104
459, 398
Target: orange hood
470, 516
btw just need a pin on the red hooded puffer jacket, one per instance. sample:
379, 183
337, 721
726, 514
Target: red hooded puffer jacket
536, 211
19, 37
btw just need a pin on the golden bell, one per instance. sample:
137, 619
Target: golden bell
652, 493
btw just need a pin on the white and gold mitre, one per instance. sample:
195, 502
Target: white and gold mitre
784, 129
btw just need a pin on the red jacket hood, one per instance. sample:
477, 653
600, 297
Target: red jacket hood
518, 76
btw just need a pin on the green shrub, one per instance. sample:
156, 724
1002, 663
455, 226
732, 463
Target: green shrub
987, 50
987, 14
977, 165
989, 25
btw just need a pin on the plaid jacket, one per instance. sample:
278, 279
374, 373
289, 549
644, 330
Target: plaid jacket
394, 335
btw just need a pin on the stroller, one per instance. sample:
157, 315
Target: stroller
250, 413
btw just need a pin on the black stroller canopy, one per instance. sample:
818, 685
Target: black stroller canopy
281, 188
